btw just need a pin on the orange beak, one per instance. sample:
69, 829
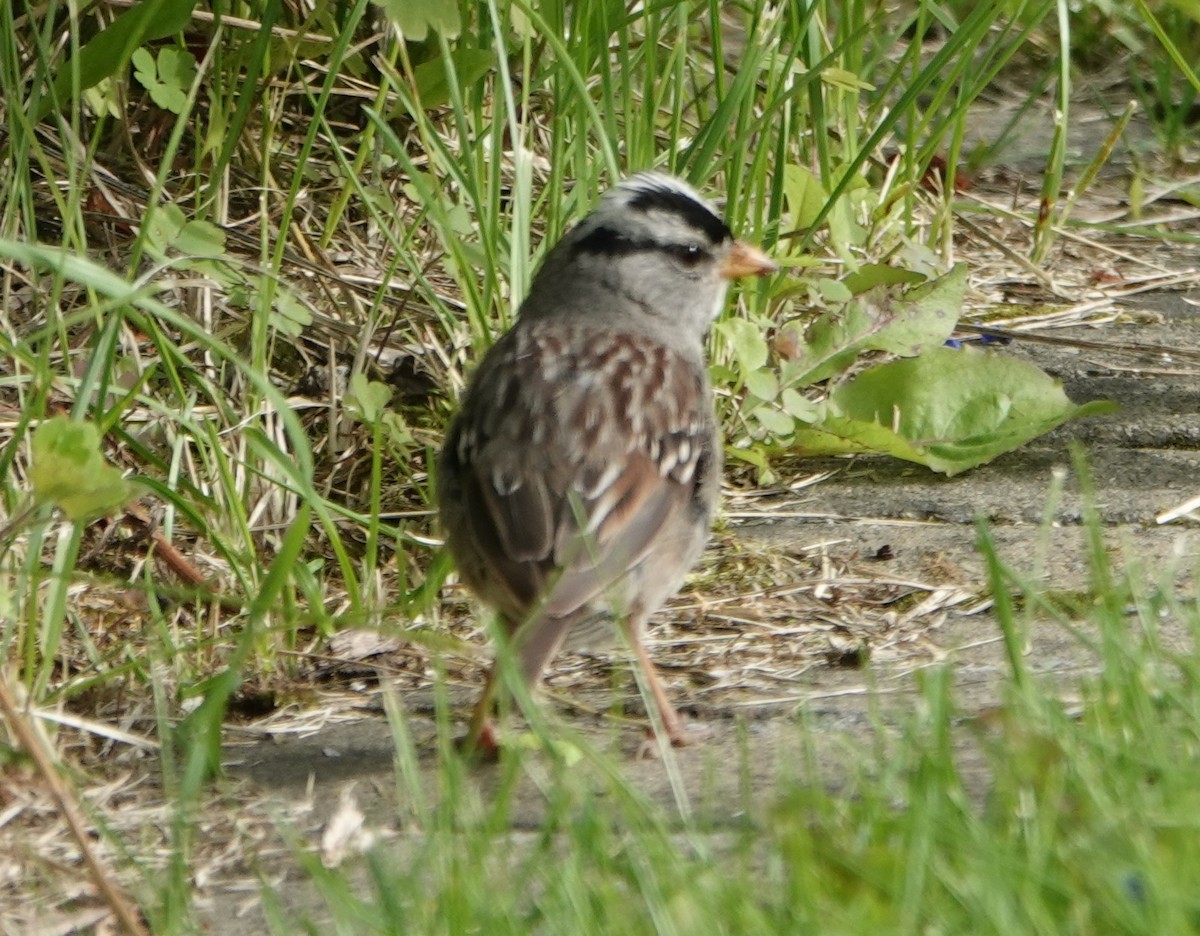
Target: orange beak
744, 260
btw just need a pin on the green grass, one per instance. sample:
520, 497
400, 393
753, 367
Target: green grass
1062, 810
174, 267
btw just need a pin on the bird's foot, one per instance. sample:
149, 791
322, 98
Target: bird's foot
650, 747
481, 744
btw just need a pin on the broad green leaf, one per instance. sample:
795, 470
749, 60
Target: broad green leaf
881, 319
367, 398
763, 384
288, 314
804, 196
458, 220
844, 230
776, 422
839, 435
70, 472
108, 51
367, 402
169, 228
948, 409
748, 342
101, 99
200, 239
797, 405
832, 290
165, 226
167, 78
722, 375
879, 274
417, 17
470, 67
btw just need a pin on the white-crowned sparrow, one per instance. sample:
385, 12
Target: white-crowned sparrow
577, 485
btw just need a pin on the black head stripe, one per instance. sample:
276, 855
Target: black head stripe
659, 198
609, 241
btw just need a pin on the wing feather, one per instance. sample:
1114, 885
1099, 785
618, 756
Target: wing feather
568, 463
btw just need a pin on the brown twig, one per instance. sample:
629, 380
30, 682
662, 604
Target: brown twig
112, 893
137, 515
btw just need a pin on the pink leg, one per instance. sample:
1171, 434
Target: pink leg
535, 651
672, 724
481, 733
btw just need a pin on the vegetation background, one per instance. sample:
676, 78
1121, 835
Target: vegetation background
250, 253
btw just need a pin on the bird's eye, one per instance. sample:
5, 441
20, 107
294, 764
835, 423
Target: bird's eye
688, 254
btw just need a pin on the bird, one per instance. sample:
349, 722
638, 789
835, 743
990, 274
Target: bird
577, 484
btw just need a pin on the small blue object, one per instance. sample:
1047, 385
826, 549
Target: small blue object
954, 343
1134, 886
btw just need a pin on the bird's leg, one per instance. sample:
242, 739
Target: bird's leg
536, 642
672, 723
481, 733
